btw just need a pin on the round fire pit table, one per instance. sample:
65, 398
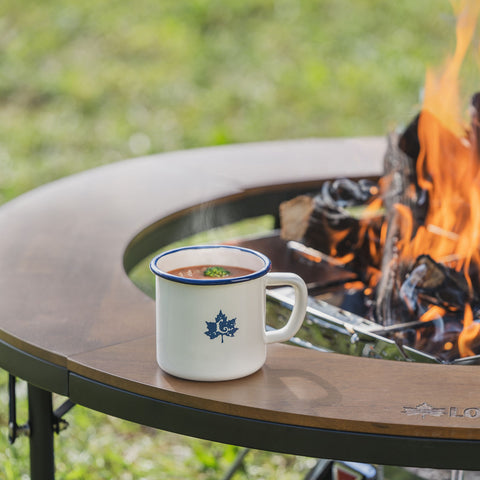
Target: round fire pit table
72, 322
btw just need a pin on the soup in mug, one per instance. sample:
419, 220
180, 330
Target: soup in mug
210, 272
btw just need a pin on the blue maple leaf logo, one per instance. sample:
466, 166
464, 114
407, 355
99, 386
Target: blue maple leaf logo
222, 326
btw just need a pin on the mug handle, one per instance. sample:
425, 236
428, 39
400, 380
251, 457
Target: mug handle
299, 308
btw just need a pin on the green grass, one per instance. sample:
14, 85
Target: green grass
87, 83
97, 446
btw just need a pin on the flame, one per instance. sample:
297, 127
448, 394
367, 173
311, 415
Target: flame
448, 170
448, 346
336, 237
468, 334
432, 313
442, 88
447, 165
368, 232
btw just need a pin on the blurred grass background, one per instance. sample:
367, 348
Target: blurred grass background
87, 83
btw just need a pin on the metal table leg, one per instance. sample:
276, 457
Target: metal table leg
42, 464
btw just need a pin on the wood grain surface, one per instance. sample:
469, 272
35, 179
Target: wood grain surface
65, 296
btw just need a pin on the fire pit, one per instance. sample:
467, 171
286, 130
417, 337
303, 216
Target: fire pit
328, 325
406, 268
395, 262
331, 322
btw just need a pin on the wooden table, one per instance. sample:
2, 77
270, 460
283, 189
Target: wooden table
72, 322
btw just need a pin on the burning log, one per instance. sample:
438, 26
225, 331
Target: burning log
294, 217
341, 221
435, 284
436, 296
400, 181
475, 122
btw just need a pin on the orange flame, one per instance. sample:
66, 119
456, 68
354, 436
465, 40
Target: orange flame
442, 89
432, 313
448, 169
468, 334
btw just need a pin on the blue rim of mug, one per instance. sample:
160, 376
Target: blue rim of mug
213, 281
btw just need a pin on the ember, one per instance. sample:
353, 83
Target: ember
413, 238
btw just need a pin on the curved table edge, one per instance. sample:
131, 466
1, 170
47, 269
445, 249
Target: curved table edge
275, 436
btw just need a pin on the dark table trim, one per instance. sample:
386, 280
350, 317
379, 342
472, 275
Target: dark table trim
275, 437
34, 370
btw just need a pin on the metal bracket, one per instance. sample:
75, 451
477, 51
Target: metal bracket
14, 430
60, 424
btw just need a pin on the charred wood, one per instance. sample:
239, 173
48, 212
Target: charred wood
334, 221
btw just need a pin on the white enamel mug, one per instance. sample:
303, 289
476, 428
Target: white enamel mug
215, 329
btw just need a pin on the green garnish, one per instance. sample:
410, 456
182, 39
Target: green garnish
216, 272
